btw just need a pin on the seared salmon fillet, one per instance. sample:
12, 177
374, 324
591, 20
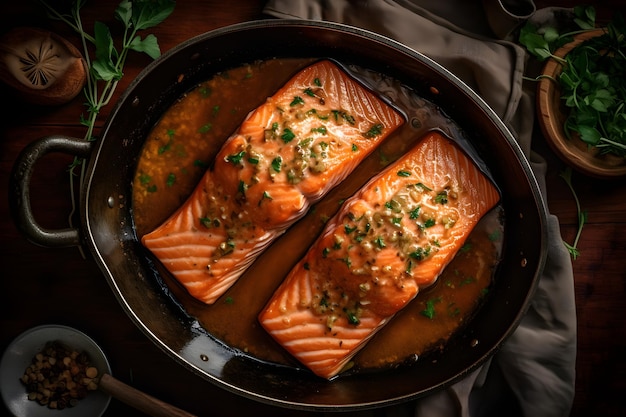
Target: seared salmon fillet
388, 241
287, 154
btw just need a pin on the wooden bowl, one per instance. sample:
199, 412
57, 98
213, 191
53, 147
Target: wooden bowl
552, 114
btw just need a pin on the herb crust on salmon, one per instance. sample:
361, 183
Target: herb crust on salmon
286, 155
391, 239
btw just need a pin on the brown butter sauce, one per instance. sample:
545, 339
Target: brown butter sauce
194, 129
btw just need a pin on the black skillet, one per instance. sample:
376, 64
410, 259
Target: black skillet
106, 227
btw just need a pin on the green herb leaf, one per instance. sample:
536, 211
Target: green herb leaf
296, 100
287, 135
585, 17
205, 128
535, 43
106, 67
277, 163
375, 130
149, 13
429, 311
149, 46
124, 12
235, 158
171, 180
352, 318
414, 213
441, 197
103, 65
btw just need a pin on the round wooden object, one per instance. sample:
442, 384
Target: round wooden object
41, 67
552, 114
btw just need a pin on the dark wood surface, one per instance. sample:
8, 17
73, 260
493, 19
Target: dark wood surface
41, 285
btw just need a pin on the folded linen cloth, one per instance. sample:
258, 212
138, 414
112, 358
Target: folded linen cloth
533, 374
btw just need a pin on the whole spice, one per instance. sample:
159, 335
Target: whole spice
59, 377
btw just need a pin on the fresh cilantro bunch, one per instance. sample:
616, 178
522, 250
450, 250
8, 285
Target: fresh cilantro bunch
541, 42
106, 67
593, 86
592, 82
582, 87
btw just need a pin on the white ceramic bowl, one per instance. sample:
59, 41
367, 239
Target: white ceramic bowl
19, 355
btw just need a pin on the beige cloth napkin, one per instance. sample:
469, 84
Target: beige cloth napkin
533, 374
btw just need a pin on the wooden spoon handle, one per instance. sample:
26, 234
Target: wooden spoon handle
139, 400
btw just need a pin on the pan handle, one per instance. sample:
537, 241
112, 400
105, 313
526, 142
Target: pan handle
19, 199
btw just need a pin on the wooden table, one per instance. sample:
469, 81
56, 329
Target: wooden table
42, 285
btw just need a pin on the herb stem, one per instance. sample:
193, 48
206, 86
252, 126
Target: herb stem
582, 215
137, 15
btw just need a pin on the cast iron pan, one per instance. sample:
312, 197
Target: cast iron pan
106, 227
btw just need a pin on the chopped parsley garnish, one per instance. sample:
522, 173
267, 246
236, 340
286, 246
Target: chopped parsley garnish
287, 135
235, 158
296, 100
208, 223
171, 179
352, 318
466, 247
265, 196
420, 253
468, 280
205, 91
423, 187
165, 147
374, 131
227, 247
277, 163
349, 229
340, 114
494, 236
453, 311
145, 179
441, 197
429, 311
414, 214
205, 128
243, 187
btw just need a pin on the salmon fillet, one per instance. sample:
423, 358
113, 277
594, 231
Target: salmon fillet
286, 155
394, 237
